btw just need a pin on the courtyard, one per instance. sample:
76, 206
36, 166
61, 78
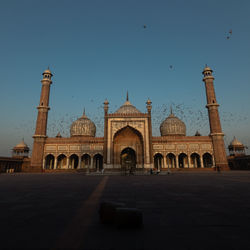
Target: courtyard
188, 210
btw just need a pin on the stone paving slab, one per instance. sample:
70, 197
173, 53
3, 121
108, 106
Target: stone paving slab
181, 210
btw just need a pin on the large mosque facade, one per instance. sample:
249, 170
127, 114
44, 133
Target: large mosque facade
128, 143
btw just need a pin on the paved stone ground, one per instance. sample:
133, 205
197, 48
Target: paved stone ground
181, 211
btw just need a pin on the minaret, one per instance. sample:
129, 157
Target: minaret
41, 123
149, 107
214, 121
106, 108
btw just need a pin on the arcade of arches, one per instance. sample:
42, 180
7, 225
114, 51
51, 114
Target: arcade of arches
74, 161
183, 160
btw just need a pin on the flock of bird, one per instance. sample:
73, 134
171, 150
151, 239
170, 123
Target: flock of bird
195, 119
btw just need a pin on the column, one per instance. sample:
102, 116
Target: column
195, 162
67, 163
79, 162
55, 163
50, 164
189, 161
177, 161
91, 162
201, 159
43, 163
165, 161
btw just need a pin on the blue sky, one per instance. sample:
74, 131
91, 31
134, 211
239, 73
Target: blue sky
99, 49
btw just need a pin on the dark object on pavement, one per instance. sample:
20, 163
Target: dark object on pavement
128, 218
107, 211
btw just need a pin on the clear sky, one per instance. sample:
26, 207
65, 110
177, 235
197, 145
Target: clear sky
99, 49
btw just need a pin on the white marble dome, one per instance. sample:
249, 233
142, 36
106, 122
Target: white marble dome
127, 108
83, 126
172, 125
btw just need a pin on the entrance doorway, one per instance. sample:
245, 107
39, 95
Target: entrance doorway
131, 141
128, 160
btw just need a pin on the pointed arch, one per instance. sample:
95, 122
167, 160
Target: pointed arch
183, 160
85, 161
207, 160
158, 161
98, 162
128, 137
73, 161
61, 161
171, 160
195, 160
49, 161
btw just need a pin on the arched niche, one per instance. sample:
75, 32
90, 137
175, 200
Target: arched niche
183, 160
195, 160
62, 161
128, 137
207, 160
73, 161
49, 161
171, 160
158, 161
85, 161
98, 162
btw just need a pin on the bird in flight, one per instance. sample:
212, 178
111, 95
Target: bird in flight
144, 26
230, 33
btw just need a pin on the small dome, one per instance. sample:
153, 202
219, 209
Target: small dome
21, 145
197, 133
83, 126
58, 135
47, 71
172, 125
235, 142
127, 108
207, 69
106, 102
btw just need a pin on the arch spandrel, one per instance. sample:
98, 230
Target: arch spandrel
124, 138
136, 125
134, 130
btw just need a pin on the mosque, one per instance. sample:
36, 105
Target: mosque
128, 143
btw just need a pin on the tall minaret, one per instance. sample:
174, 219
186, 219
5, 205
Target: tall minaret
41, 123
214, 121
106, 108
149, 107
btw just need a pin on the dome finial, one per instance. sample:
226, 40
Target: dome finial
171, 110
84, 111
127, 97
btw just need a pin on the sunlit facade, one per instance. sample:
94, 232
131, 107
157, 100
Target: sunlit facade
128, 142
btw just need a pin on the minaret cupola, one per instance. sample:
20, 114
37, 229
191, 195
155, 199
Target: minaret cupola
207, 72
149, 105
47, 74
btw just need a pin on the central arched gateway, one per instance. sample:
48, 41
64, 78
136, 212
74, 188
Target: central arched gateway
128, 146
128, 159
